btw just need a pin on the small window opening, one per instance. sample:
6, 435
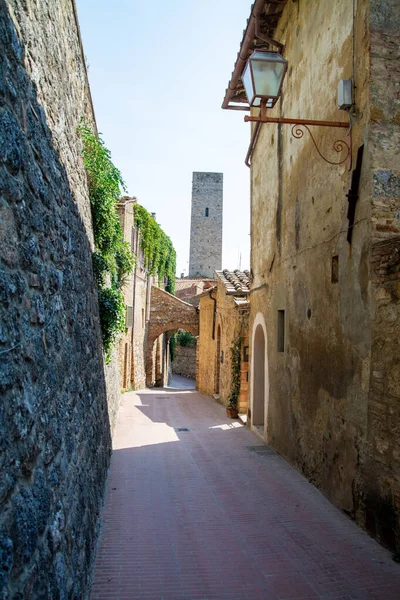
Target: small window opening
245, 354
142, 317
281, 331
206, 212
335, 269
222, 356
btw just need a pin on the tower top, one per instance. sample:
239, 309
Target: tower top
206, 224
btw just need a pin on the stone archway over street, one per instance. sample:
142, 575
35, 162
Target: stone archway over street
167, 313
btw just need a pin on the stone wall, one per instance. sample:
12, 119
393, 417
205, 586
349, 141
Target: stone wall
206, 224
379, 483
324, 371
184, 362
55, 434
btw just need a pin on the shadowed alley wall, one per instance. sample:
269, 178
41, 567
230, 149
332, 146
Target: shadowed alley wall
57, 396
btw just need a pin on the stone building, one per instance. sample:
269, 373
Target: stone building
127, 339
133, 344
59, 400
206, 224
167, 314
325, 248
189, 289
224, 312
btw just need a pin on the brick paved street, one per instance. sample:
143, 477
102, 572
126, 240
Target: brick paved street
201, 514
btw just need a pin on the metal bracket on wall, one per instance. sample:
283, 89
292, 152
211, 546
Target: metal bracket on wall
298, 132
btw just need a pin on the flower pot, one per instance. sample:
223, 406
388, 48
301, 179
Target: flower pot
232, 413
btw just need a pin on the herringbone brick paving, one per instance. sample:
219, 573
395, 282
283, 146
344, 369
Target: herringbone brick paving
200, 514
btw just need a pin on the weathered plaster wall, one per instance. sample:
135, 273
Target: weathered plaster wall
317, 412
206, 347
299, 208
55, 440
184, 362
206, 229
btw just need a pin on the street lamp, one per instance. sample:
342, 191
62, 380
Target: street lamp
263, 78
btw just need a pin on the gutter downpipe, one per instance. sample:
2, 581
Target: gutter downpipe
253, 142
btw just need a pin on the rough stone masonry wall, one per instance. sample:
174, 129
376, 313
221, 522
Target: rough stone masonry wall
184, 362
206, 231
55, 438
379, 488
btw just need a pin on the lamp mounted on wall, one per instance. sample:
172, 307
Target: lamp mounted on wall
263, 79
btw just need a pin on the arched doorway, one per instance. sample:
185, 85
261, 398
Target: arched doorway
218, 362
259, 379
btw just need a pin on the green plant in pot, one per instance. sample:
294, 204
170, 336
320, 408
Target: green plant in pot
233, 399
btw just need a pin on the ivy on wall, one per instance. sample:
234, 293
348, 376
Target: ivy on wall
112, 259
159, 253
235, 380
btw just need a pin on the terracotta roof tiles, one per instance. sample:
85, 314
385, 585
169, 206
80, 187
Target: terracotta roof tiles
235, 282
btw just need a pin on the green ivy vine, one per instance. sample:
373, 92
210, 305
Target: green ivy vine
235, 370
112, 259
159, 253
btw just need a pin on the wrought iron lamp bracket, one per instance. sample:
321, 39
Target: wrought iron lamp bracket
298, 126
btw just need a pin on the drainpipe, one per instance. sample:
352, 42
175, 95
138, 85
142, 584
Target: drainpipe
215, 313
253, 142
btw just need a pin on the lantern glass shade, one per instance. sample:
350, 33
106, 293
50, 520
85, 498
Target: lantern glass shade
263, 77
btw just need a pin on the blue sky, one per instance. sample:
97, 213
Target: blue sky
158, 73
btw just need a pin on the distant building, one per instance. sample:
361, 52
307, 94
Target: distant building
190, 289
206, 225
137, 295
224, 322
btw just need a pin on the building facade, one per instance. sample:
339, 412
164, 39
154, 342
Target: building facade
206, 224
224, 313
325, 249
133, 351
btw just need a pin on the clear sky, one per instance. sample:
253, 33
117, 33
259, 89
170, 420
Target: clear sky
158, 73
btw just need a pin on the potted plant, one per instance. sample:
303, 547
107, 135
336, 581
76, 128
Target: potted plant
232, 408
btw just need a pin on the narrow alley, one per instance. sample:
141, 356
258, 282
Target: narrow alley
198, 507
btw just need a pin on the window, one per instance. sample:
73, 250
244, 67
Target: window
142, 318
206, 212
281, 331
245, 354
129, 316
335, 269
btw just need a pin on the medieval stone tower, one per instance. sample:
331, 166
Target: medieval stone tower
206, 225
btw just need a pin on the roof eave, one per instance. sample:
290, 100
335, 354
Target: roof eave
246, 47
